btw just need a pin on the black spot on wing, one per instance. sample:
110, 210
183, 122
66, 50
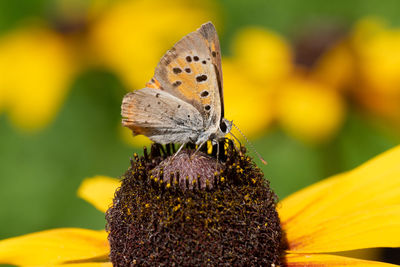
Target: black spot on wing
189, 59
204, 93
196, 58
188, 70
201, 78
177, 83
176, 70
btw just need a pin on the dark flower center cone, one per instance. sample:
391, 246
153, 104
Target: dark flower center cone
193, 209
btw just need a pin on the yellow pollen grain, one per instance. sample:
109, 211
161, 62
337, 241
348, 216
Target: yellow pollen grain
177, 207
222, 179
168, 185
147, 205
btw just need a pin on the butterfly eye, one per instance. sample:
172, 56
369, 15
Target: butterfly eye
223, 126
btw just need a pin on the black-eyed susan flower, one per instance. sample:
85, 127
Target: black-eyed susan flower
220, 214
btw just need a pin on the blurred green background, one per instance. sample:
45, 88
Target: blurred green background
45, 156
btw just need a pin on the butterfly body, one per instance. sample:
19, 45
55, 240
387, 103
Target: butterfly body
183, 102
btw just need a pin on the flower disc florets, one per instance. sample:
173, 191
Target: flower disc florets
194, 209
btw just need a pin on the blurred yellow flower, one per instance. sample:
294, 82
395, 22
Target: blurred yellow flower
135, 141
377, 51
309, 110
36, 68
247, 103
261, 60
335, 67
133, 35
263, 55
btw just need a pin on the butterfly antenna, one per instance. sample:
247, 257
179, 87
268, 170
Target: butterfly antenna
249, 143
237, 140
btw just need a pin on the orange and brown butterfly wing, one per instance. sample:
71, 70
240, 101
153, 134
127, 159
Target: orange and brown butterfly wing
209, 32
191, 71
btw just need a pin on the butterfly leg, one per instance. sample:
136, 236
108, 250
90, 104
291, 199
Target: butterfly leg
217, 155
177, 152
198, 148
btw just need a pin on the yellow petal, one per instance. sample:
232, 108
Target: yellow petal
99, 191
354, 210
54, 247
320, 260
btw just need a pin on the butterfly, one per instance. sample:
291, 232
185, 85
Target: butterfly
183, 102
